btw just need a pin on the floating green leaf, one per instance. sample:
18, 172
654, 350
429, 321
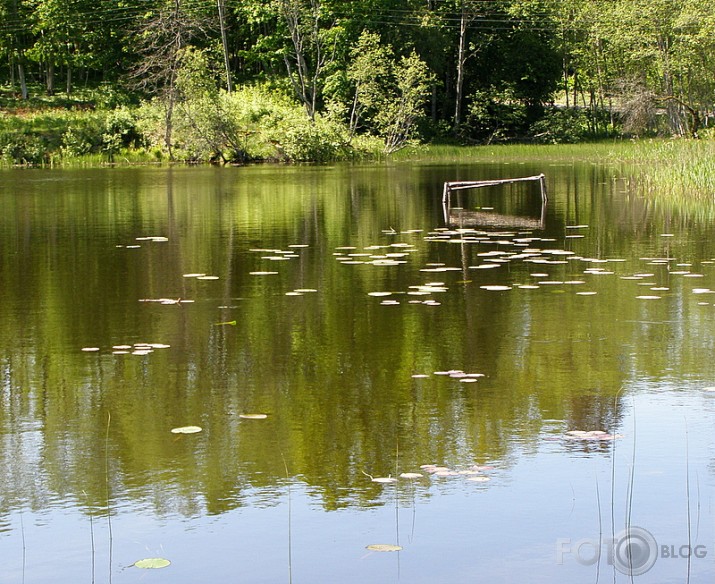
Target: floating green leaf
152, 563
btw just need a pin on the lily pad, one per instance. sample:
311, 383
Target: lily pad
384, 480
384, 547
187, 430
411, 475
590, 435
152, 563
479, 479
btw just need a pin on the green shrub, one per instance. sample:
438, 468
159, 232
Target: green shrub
571, 125
249, 124
494, 115
22, 148
561, 126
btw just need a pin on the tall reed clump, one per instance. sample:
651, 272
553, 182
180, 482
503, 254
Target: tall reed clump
682, 169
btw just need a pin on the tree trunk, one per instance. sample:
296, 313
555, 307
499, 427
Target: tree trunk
69, 79
169, 125
21, 77
308, 58
224, 42
433, 103
51, 79
461, 59
565, 71
11, 65
354, 112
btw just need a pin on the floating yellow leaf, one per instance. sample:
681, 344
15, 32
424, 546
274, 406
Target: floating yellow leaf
384, 547
253, 416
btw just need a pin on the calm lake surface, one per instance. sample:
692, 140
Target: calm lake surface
551, 377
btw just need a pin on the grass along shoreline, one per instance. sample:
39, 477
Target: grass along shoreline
677, 169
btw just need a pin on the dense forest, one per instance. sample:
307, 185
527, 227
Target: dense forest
323, 79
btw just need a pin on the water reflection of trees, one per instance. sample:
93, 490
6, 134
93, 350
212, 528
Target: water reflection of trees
333, 370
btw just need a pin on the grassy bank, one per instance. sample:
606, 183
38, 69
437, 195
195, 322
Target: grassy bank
607, 151
249, 125
674, 169
257, 126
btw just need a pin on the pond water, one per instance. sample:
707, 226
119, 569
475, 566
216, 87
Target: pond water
549, 378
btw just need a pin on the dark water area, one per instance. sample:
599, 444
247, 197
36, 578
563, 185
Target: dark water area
543, 374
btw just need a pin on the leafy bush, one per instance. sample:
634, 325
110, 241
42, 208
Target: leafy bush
562, 126
120, 131
249, 124
494, 115
21, 148
56, 135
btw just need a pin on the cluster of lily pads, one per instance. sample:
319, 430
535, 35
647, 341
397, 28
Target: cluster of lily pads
513, 247
590, 435
474, 473
147, 348
393, 254
426, 289
197, 429
457, 374
276, 255
148, 238
139, 349
167, 301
